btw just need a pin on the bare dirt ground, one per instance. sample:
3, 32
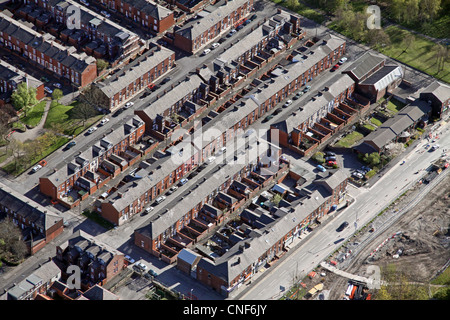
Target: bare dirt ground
424, 240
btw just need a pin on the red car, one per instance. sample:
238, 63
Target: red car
336, 66
331, 163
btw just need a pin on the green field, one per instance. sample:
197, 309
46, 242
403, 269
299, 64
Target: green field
34, 115
349, 140
420, 54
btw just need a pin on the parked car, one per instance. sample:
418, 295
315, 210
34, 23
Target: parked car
70, 145
140, 267
206, 51
183, 181
172, 190
160, 199
336, 66
147, 210
215, 45
36, 168
434, 147
330, 158
287, 103
118, 111
57, 85
48, 90
211, 159
166, 80
298, 95
129, 259
307, 88
329, 153
104, 121
91, 130
253, 17
342, 60
331, 163
128, 104
277, 111
269, 117
232, 32
105, 13
342, 226
321, 168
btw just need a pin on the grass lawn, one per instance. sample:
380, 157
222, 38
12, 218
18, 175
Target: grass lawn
303, 10
349, 140
34, 115
59, 116
419, 55
375, 121
21, 167
369, 127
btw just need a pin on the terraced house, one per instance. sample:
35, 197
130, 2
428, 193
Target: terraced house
210, 23
71, 181
46, 53
39, 225
122, 86
11, 77
96, 35
243, 247
147, 13
99, 262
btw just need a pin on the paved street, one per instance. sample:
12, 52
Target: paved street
323, 241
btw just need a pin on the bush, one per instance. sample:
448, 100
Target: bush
319, 157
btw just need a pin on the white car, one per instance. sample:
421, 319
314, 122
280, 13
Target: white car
342, 60
36, 168
106, 14
206, 51
288, 103
160, 199
57, 85
91, 130
215, 45
140, 267
48, 90
104, 121
128, 104
211, 159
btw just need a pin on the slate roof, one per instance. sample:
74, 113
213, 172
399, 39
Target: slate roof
440, 90
363, 65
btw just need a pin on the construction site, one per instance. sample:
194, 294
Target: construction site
415, 245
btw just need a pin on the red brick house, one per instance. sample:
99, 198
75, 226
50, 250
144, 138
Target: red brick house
47, 54
213, 22
145, 12
99, 263
39, 225
94, 165
11, 77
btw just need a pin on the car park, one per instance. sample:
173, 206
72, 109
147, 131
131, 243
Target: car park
91, 130
321, 168
342, 226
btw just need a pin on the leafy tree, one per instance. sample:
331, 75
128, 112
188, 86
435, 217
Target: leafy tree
372, 159
276, 199
377, 38
23, 97
57, 94
102, 64
319, 157
11, 242
83, 111
429, 9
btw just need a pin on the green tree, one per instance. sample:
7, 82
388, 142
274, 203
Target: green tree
102, 64
372, 159
23, 97
276, 199
57, 94
429, 9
